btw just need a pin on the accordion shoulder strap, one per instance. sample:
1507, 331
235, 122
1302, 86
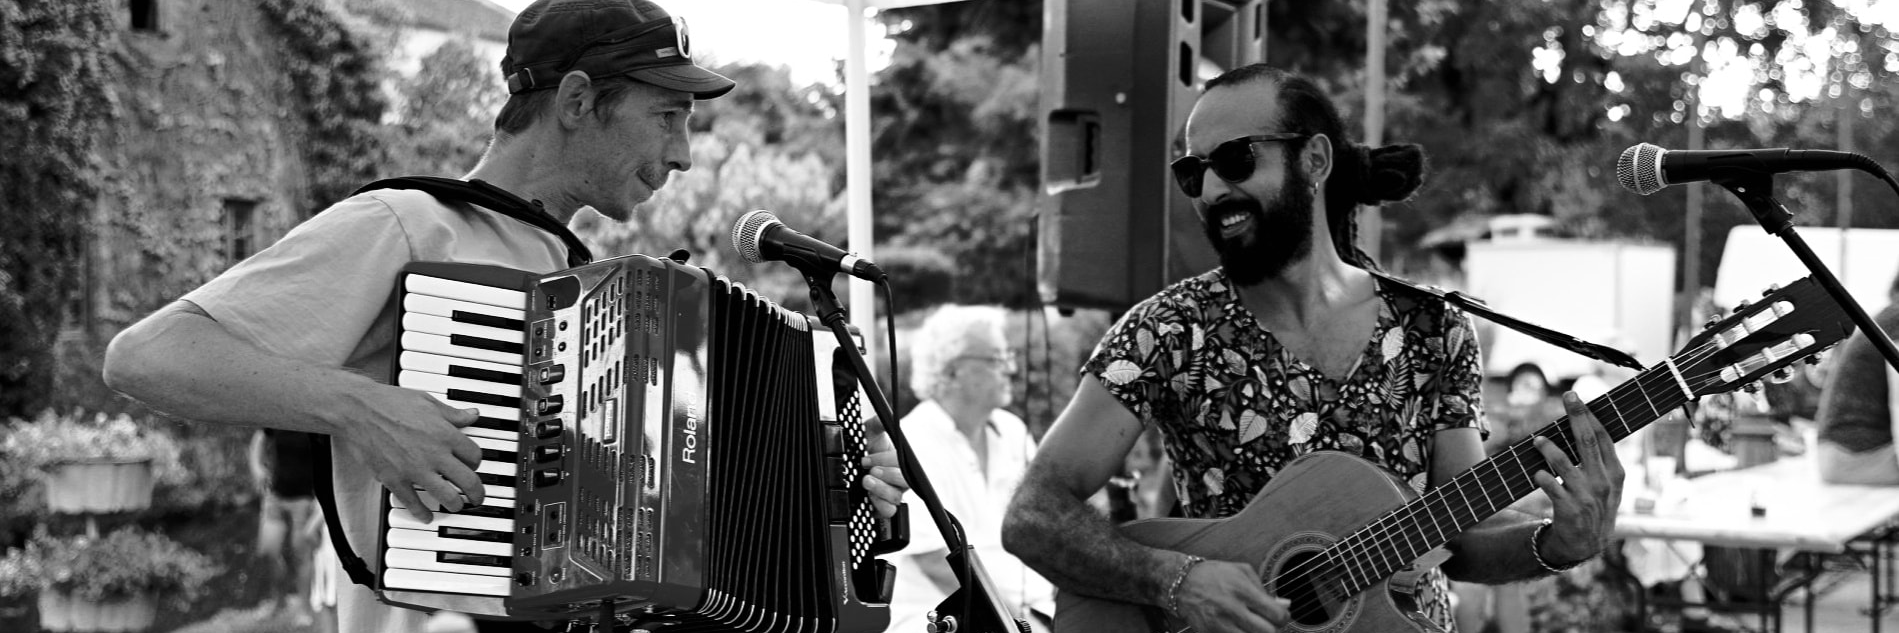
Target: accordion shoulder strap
487, 196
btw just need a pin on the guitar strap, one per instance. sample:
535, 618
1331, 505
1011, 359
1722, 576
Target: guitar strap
1477, 307
482, 195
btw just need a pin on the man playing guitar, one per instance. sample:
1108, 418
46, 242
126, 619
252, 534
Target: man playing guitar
1289, 347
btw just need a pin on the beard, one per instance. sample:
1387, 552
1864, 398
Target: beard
1281, 233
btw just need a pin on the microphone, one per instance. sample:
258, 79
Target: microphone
1646, 169
759, 236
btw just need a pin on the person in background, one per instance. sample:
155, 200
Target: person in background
1856, 408
288, 522
974, 452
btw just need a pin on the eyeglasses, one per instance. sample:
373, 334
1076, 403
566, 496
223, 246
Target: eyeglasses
1004, 361
1232, 161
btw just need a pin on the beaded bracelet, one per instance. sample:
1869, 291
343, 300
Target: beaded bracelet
1536, 537
1173, 588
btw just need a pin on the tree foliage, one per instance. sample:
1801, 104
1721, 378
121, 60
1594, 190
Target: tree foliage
55, 96
337, 72
445, 116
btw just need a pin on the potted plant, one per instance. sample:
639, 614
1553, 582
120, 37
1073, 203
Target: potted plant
110, 583
91, 464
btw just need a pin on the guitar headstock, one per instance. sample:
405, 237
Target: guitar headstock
1785, 326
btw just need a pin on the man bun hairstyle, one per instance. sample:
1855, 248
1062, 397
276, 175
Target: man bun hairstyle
1360, 175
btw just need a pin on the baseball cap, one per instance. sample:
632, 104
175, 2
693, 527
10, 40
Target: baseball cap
603, 38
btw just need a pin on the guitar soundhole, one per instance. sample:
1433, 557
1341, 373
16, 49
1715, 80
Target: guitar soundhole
1302, 580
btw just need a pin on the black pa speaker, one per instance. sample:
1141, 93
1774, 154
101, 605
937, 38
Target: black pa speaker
1118, 79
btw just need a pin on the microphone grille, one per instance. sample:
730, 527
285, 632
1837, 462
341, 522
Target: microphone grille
1640, 169
746, 232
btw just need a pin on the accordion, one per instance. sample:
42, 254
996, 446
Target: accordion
658, 442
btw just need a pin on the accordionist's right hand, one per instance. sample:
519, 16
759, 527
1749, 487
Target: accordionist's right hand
413, 443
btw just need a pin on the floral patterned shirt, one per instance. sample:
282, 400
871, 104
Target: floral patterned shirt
1235, 406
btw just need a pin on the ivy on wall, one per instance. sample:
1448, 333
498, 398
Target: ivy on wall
57, 108
336, 73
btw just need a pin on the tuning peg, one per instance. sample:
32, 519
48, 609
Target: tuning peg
1771, 289
1814, 358
1781, 376
1742, 305
1710, 322
1752, 387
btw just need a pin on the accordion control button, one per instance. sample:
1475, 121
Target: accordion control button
546, 477
547, 453
525, 579
548, 430
553, 374
548, 406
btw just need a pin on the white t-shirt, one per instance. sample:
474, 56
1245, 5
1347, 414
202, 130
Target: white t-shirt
322, 295
978, 504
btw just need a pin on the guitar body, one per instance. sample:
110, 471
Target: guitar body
1307, 507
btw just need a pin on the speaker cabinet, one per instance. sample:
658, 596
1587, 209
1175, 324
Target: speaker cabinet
1118, 79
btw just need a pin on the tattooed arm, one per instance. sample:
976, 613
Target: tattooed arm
1051, 527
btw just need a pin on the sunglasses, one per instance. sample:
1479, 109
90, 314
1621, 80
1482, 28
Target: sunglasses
1232, 161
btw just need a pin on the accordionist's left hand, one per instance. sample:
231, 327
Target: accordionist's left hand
884, 480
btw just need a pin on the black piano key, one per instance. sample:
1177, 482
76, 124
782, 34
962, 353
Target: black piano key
460, 558
470, 534
489, 320
464, 340
497, 424
487, 375
463, 395
492, 455
496, 480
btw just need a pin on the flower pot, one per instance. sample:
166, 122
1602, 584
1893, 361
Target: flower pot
60, 611
99, 486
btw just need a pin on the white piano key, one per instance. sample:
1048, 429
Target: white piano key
464, 291
428, 501
432, 324
439, 344
401, 519
426, 561
439, 364
445, 583
498, 444
430, 541
438, 383
505, 469
440, 306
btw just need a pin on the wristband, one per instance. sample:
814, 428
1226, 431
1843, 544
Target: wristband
1173, 589
1536, 538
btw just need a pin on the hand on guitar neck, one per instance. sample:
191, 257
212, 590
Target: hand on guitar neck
1583, 493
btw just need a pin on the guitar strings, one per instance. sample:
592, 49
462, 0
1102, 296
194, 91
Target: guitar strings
1326, 578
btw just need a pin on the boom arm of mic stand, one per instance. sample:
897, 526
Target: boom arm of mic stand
1757, 192
980, 613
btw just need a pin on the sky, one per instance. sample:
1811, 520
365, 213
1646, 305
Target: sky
806, 35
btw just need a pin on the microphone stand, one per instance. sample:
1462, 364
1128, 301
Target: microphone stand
972, 608
1756, 190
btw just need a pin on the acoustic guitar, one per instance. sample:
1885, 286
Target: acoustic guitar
1342, 539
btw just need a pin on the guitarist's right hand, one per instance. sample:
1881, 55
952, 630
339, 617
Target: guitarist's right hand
1227, 597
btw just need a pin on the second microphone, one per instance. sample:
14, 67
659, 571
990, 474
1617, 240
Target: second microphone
759, 236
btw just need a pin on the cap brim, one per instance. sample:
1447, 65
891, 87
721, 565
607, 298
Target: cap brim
702, 83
